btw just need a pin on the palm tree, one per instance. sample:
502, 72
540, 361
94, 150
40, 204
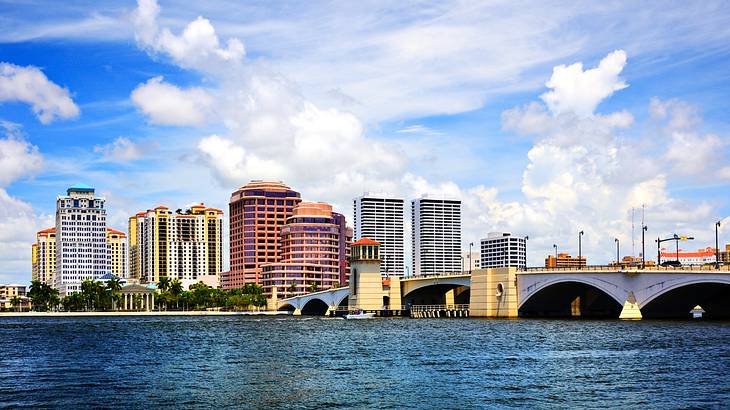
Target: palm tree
176, 289
114, 285
15, 301
164, 283
292, 288
313, 287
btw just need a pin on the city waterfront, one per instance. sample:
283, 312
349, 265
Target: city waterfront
288, 362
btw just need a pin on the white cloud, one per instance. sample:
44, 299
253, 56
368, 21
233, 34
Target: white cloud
18, 158
419, 130
197, 47
167, 104
18, 222
273, 131
579, 92
31, 86
123, 149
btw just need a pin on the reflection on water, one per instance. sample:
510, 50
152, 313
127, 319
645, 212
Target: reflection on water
392, 363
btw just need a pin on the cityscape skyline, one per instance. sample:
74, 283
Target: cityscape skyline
523, 152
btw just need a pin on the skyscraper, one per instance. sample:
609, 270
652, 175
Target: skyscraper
117, 250
258, 211
436, 235
184, 245
44, 256
380, 217
501, 249
310, 252
81, 241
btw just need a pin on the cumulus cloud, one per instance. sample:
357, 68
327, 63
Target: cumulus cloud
29, 85
18, 221
579, 92
197, 47
18, 158
167, 104
123, 149
272, 130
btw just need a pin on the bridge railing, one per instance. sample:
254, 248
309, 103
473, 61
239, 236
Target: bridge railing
614, 268
429, 308
435, 275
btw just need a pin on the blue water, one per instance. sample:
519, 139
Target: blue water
191, 362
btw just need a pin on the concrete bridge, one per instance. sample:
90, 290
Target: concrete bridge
326, 301
588, 292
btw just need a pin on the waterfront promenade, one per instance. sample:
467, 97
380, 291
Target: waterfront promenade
141, 313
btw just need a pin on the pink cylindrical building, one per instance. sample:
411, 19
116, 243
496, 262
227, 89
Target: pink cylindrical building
312, 257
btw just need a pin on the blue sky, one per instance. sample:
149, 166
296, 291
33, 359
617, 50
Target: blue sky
177, 103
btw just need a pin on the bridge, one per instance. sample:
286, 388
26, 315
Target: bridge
599, 292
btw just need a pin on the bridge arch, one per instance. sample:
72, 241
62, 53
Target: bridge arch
409, 286
315, 307
677, 299
571, 297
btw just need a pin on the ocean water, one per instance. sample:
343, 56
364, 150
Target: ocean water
243, 362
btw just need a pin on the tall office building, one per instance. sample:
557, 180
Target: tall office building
81, 244
117, 249
311, 242
187, 246
258, 211
436, 235
380, 217
44, 256
501, 249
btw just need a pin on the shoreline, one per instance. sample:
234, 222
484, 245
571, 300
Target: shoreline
145, 313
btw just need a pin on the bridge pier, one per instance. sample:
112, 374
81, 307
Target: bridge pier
494, 293
297, 312
631, 309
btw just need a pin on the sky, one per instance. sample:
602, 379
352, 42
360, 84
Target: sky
544, 118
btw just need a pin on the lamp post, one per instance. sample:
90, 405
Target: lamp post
470, 245
526, 238
643, 250
618, 257
556, 255
717, 246
462, 264
580, 260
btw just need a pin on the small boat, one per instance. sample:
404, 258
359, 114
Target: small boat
360, 315
697, 312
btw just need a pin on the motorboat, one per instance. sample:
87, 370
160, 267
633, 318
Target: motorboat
360, 315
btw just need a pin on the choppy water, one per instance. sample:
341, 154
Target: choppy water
390, 363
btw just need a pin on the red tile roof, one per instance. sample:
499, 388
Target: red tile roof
366, 241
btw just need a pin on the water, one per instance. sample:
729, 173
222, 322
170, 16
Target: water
181, 362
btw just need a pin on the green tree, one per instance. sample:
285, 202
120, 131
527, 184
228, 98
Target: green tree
43, 296
292, 288
313, 287
15, 301
114, 286
176, 289
164, 283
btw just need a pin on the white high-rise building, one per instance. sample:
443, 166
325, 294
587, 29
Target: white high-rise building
436, 235
81, 239
380, 217
501, 249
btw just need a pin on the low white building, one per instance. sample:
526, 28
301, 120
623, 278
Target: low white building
502, 249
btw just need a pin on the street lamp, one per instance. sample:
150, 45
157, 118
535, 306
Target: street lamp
643, 251
580, 261
470, 245
462, 264
618, 257
556, 255
717, 246
526, 238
